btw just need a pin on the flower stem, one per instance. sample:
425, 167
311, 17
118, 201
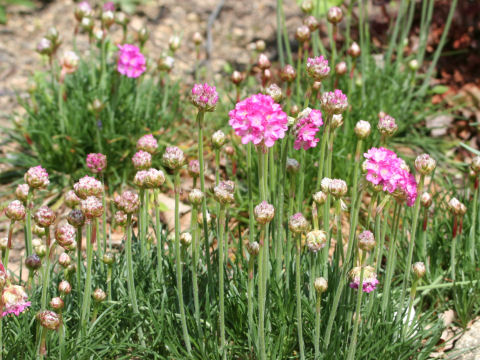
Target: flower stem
413, 291
158, 233
196, 252
221, 258
251, 265
78, 235
261, 297
46, 271
109, 281
473, 227
251, 226
28, 224
91, 228
217, 166
353, 344
9, 244
299, 298
317, 326
301, 181
321, 159
178, 264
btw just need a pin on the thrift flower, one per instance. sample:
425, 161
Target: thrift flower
370, 281
15, 211
334, 102
88, 186
259, 119
305, 130
21, 192
142, 160
204, 97
131, 61
36, 177
14, 300
147, 143
96, 162
317, 68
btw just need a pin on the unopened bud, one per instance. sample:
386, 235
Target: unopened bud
293, 166
475, 165
33, 262
197, 38
186, 239
303, 33
64, 287
425, 164
260, 45
311, 22
99, 295
426, 200
366, 240
288, 73
354, 50
263, 62
224, 192
195, 197
320, 197
275, 93
341, 68
173, 158
321, 285
236, 77
362, 129
413, 65
334, 15
387, 125
174, 43
297, 223
307, 6
316, 240
419, 269
57, 303
218, 139
253, 248
264, 212
49, 320
64, 260
108, 258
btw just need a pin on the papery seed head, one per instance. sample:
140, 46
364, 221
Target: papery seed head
362, 129
21, 192
425, 164
186, 239
88, 186
236, 77
288, 73
311, 22
341, 68
64, 259
307, 6
275, 92
49, 319
224, 192
15, 211
165, 63
99, 295
297, 223
218, 139
456, 207
147, 143
69, 62
419, 269
57, 303
173, 158
71, 199
316, 240
65, 236
14, 299
366, 240
64, 287
320, 197
36, 177
334, 15
92, 207
253, 248
338, 188
44, 217
263, 62
426, 200
195, 197
354, 50
320, 285
197, 38
33, 262
293, 166
264, 213
302, 34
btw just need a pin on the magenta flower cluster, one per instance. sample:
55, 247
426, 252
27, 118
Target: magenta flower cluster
96, 162
259, 119
204, 97
368, 285
386, 169
305, 130
131, 61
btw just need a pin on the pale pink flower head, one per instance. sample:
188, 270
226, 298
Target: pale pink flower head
15, 211
334, 102
69, 62
49, 319
387, 125
92, 207
82, 10
385, 169
369, 282
36, 177
142, 160
109, 6
97, 163
65, 236
88, 186
131, 61
306, 129
14, 300
318, 68
44, 216
71, 199
259, 119
147, 143
204, 97
128, 202
194, 168
21, 192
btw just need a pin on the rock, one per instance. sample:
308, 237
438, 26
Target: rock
438, 124
468, 346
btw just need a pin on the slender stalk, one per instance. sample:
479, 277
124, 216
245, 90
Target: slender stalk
158, 233
299, 298
221, 257
196, 253
28, 223
321, 164
316, 340
261, 297
9, 244
109, 281
353, 344
217, 166
452, 257
250, 288
413, 291
178, 260
301, 181
46, 269
288, 249
473, 227
142, 216
104, 217
85, 314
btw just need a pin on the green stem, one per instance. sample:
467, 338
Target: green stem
9, 244
221, 258
452, 257
288, 249
261, 297
251, 224
217, 166
142, 216
28, 224
78, 236
91, 228
46, 271
317, 326
178, 260
473, 227
353, 344
196, 252
299, 298
104, 217
158, 233
109, 281
301, 180
413, 291
250, 288
321, 160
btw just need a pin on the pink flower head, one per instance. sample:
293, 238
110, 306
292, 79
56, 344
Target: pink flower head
259, 119
82, 10
37, 177
334, 102
386, 169
96, 162
305, 130
109, 6
87, 186
147, 143
318, 68
14, 300
142, 160
131, 61
369, 282
204, 97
